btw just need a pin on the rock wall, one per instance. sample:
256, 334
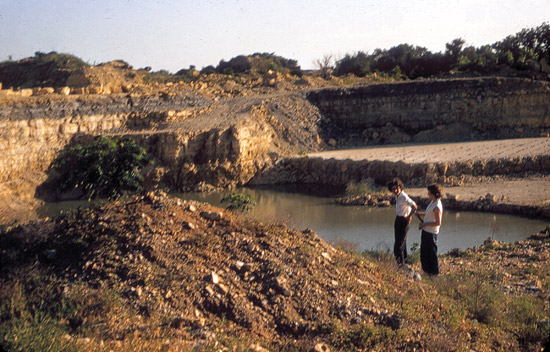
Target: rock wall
30, 145
221, 156
436, 111
305, 170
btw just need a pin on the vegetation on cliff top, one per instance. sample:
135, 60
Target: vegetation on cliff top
158, 273
518, 52
522, 52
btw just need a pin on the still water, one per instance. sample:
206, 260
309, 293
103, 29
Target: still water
372, 228
363, 227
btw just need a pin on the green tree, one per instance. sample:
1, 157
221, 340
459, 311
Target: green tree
536, 41
452, 51
357, 64
105, 168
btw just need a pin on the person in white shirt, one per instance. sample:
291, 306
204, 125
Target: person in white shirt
430, 230
404, 209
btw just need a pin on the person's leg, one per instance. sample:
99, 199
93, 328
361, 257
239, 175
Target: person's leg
405, 232
424, 245
435, 260
400, 245
428, 253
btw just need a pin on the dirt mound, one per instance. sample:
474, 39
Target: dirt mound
159, 273
111, 74
60, 70
181, 270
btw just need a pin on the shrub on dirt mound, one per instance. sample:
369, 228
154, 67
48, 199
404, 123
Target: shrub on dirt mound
44, 70
259, 63
59, 70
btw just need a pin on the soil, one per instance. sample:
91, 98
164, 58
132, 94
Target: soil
158, 273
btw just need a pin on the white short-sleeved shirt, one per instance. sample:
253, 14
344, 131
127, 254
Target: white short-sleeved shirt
430, 216
403, 204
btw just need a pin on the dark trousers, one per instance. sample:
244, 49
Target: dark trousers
428, 253
401, 227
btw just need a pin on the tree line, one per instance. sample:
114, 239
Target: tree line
519, 52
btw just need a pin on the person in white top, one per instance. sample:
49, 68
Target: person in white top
404, 209
430, 230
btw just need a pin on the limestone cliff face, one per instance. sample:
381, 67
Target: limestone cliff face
219, 157
30, 145
306, 170
222, 156
437, 111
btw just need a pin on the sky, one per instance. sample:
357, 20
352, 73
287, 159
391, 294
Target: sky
175, 34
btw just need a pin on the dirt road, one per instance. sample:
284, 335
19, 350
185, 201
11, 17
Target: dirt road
445, 152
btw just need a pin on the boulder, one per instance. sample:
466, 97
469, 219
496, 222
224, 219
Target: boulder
212, 215
26, 92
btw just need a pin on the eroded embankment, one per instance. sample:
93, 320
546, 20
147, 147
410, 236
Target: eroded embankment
318, 170
158, 273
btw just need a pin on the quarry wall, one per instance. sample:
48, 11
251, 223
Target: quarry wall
221, 156
308, 170
437, 110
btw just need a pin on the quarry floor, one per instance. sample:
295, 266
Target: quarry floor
529, 190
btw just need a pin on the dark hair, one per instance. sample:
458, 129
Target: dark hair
436, 190
395, 182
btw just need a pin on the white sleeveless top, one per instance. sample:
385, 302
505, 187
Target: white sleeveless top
403, 204
430, 216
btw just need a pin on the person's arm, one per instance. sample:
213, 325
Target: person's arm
413, 211
420, 216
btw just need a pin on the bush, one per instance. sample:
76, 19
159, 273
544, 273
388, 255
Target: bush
527, 317
239, 202
59, 60
368, 186
259, 63
458, 253
105, 168
414, 255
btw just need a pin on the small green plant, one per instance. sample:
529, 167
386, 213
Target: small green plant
239, 202
473, 291
526, 313
379, 255
104, 168
367, 186
458, 253
360, 337
414, 255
